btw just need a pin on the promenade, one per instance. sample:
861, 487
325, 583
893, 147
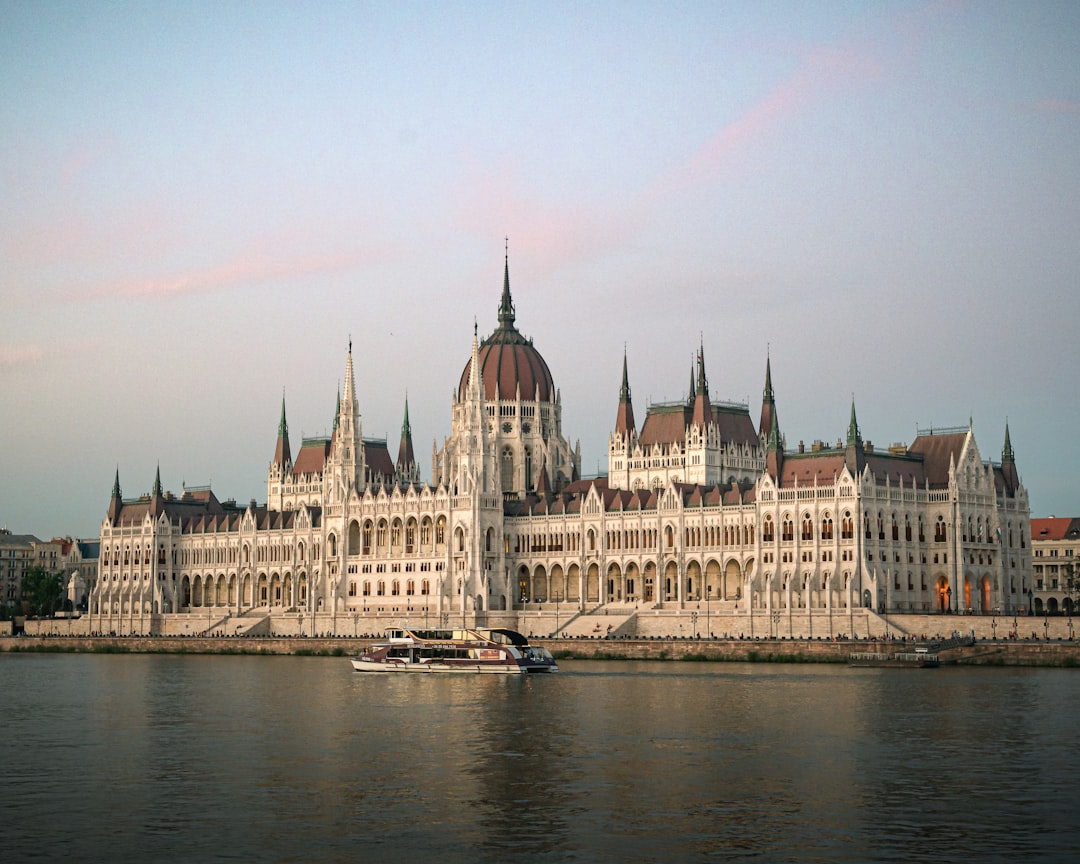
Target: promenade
986, 652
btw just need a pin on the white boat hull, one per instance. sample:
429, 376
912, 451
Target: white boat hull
361, 665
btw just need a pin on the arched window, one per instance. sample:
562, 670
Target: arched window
807, 527
367, 537
506, 470
768, 532
787, 530
826, 528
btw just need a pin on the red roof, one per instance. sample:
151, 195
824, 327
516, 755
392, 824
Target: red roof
1055, 528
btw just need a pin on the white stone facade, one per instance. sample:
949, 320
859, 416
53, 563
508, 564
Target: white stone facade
698, 506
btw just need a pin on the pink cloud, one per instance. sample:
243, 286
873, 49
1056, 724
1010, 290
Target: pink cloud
20, 356
819, 70
1058, 106
241, 271
498, 202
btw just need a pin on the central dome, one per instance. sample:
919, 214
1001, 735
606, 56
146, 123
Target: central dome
508, 361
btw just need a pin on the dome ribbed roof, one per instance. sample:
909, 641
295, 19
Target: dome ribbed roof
508, 360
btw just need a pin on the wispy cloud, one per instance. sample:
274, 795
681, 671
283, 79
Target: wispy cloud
818, 70
1058, 106
242, 271
20, 356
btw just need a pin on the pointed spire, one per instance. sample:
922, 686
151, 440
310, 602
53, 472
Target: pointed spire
703, 415
768, 402
157, 505
116, 503
405, 459
702, 382
282, 454
337, 409
624, 422
475, 388
506, 303
853, 435
1008, 465
854, 453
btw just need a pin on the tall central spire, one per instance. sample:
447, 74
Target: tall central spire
506, 304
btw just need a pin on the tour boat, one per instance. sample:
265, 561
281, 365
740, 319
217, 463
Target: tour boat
497, 651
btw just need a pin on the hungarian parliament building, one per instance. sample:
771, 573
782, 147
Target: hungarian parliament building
699, 504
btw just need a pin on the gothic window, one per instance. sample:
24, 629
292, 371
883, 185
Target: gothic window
787, 530
940, 533
807, 527
826, 529
367, 537
380, 536
410, 536
907, 528
506, 469
528, 464
895, 529
395, 536
440, 531
768, 533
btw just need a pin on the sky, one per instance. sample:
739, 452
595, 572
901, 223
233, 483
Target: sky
202, 203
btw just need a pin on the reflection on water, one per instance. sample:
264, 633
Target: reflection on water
174, 758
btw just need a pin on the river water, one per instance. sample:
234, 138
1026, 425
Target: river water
167, 758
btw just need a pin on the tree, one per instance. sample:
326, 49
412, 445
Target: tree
42, 592
1072, 584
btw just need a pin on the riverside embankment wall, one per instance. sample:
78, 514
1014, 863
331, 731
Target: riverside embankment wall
984, 653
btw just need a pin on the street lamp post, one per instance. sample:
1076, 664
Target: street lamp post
1046, 627
708, 603
558, 597
948, 600
993, 628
